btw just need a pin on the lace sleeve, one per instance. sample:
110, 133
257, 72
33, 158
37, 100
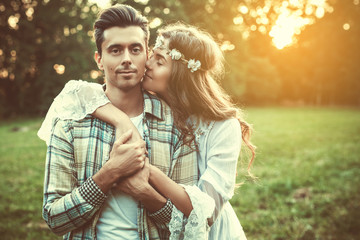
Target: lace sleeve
77, 99
196, 225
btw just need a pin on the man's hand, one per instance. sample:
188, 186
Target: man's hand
137, 184
125, 159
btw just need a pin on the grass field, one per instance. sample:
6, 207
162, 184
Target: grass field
308, 165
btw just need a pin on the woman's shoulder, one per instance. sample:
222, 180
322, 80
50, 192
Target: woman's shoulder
211, 125
228, 127
231, 123
204, 128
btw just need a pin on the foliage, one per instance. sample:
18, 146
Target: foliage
38, 39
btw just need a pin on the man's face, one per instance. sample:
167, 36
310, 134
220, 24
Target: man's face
123, 57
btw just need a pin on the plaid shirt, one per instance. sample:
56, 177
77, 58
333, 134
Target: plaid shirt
78, 149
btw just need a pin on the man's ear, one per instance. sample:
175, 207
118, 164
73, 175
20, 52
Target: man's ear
97, 58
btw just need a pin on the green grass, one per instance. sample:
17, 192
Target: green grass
22, 160
308, 165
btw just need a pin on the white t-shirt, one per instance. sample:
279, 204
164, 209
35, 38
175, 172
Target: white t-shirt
118, 219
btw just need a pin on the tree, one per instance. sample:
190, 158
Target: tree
43, 45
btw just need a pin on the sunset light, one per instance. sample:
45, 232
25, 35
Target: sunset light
293, 16
290, 19
286, 27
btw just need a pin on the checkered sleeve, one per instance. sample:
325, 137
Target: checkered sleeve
163, 215
91, 192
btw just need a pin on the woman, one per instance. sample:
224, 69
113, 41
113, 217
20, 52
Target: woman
182, 70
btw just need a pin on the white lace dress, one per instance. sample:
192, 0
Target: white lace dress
219, 147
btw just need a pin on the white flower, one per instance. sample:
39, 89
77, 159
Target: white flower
175, 54
194, 65
159, 41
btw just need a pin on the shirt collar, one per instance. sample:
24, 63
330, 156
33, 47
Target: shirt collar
153, 105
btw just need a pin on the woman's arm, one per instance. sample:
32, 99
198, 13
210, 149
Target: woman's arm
114, 116
80, 98
170, 189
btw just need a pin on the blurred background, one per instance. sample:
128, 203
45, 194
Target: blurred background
292, 52
294, 65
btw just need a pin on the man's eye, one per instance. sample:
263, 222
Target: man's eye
136, 50
115, 51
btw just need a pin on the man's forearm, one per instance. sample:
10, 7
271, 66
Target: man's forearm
105, 179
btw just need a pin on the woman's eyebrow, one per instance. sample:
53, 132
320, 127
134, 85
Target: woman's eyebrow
159, 55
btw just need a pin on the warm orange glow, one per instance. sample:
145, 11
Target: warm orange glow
155, 22
94, 74
4, 73
13, 21
346, 26
287, 25
227, 46
166, 11
60, 69
291, 22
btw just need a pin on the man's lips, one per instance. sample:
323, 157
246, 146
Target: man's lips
126, 71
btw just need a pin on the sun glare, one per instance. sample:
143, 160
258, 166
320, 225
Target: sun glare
291, 19
286, 27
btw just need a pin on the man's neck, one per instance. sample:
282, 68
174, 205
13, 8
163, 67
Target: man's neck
130, 102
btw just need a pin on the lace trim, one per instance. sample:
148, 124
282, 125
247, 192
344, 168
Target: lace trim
75, 101
78, 99
196, 225
176, 224
202, 129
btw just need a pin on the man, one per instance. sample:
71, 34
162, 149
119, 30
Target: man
84, 165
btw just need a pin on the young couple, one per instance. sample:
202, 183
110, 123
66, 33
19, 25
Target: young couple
125, 164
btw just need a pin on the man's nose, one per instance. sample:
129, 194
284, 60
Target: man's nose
126, 60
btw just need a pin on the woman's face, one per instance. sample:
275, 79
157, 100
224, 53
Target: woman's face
158, 71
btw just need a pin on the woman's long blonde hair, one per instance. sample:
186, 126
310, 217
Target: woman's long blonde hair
199, 93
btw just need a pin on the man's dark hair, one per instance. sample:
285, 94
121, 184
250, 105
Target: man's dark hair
119, 15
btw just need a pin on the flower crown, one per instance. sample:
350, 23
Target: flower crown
192, 64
